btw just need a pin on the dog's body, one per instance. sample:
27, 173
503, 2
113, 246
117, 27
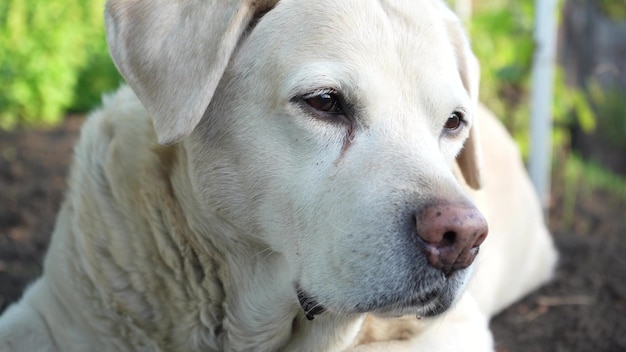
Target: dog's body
319, 183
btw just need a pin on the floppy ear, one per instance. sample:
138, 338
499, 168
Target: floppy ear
470, 158
173, 53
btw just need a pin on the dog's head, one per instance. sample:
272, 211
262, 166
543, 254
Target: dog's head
324, 130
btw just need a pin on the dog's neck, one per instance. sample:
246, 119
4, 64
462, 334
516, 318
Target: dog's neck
169, 275
162, 268
259, 309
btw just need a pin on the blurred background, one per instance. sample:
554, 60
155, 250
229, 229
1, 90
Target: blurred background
54, 67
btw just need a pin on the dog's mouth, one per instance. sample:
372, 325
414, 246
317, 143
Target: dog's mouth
310, 306
426, 302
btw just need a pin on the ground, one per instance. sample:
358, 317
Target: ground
582, 309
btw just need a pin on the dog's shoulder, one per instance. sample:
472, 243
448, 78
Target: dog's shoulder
116, 147
124, 204
120, 130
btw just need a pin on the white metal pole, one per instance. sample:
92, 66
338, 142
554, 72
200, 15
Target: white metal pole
542, 96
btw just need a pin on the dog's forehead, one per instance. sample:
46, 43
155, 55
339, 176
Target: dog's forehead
359, 43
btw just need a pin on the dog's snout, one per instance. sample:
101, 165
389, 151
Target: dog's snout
450, 234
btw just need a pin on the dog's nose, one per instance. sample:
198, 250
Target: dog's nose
449, 234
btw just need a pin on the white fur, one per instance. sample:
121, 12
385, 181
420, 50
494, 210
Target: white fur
201, 245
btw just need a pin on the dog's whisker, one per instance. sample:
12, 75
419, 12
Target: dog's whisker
336, 227
266, 252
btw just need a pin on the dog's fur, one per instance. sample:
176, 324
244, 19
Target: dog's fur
201, 208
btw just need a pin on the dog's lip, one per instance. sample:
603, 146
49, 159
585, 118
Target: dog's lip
309, 304
423, 300
423, 304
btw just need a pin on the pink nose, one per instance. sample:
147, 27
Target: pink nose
449, 235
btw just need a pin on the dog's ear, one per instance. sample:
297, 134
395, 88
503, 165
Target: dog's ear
470, 157
173, 53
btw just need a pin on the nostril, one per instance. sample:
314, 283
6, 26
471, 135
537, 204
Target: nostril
448, 239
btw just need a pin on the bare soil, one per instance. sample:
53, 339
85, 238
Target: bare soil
582, 309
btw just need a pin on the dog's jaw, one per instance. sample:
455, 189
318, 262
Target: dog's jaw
265, 314
418, 300
260, 299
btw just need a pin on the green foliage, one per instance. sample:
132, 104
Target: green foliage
52, 54
580, 178
611, 110
613, 9
596, 176
502, 38
97, 76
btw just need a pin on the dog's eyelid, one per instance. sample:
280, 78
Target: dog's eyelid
462, 111
321, 91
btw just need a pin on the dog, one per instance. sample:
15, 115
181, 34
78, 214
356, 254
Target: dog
287, 175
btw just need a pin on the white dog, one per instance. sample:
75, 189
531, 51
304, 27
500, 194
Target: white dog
285, 176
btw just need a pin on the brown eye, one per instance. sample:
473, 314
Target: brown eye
455, 121
325, 102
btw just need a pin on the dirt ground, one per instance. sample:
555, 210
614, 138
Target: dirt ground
583, 309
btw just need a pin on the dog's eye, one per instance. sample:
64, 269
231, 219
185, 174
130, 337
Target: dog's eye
325, 102
455, 121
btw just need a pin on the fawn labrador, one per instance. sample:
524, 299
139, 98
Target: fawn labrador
286, 175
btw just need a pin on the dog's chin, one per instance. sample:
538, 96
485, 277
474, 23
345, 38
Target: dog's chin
429, 301
430, 305
426, 303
